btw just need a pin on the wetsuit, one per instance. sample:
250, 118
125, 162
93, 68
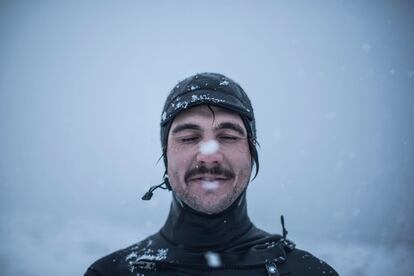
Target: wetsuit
193, 243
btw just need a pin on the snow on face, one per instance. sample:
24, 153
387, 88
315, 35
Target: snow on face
209, 147
209, 185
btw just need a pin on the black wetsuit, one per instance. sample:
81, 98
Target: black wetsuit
193, 243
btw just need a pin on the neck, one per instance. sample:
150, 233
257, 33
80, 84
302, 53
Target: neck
188, 228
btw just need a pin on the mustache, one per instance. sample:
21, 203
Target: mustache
215, 170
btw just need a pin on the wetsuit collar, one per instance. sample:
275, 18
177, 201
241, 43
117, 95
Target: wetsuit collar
198, 231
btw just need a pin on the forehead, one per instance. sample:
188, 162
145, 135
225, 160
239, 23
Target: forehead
203, 113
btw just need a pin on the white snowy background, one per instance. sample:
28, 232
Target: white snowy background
82, 84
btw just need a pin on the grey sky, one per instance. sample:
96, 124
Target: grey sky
81, 91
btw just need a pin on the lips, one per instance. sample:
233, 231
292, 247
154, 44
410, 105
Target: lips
201, 173
209, 183
209, 178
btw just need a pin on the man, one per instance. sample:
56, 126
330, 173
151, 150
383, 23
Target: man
208, 136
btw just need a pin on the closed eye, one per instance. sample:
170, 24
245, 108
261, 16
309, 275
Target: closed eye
189, 139
229, 138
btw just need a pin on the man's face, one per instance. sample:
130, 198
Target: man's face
209, 162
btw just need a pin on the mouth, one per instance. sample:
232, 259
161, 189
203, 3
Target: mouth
209, 178
209, 183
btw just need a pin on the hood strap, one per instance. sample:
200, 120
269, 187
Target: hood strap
165, 185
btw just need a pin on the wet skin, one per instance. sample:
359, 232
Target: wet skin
227, 168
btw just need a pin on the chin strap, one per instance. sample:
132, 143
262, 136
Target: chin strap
165, 185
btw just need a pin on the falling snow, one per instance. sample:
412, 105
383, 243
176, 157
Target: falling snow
213, 259
337, 108
366, 48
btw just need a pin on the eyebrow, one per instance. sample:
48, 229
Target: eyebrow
185, 127
224, 125
232, 126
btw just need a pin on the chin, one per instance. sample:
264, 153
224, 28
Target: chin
215, 206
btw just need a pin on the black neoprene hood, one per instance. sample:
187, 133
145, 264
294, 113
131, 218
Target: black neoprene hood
207, 89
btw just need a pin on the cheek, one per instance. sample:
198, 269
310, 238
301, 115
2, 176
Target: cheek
240, 156
178, 161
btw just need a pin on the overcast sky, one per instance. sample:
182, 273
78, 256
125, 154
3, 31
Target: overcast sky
82, 85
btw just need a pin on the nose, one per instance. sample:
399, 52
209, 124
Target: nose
209, 152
